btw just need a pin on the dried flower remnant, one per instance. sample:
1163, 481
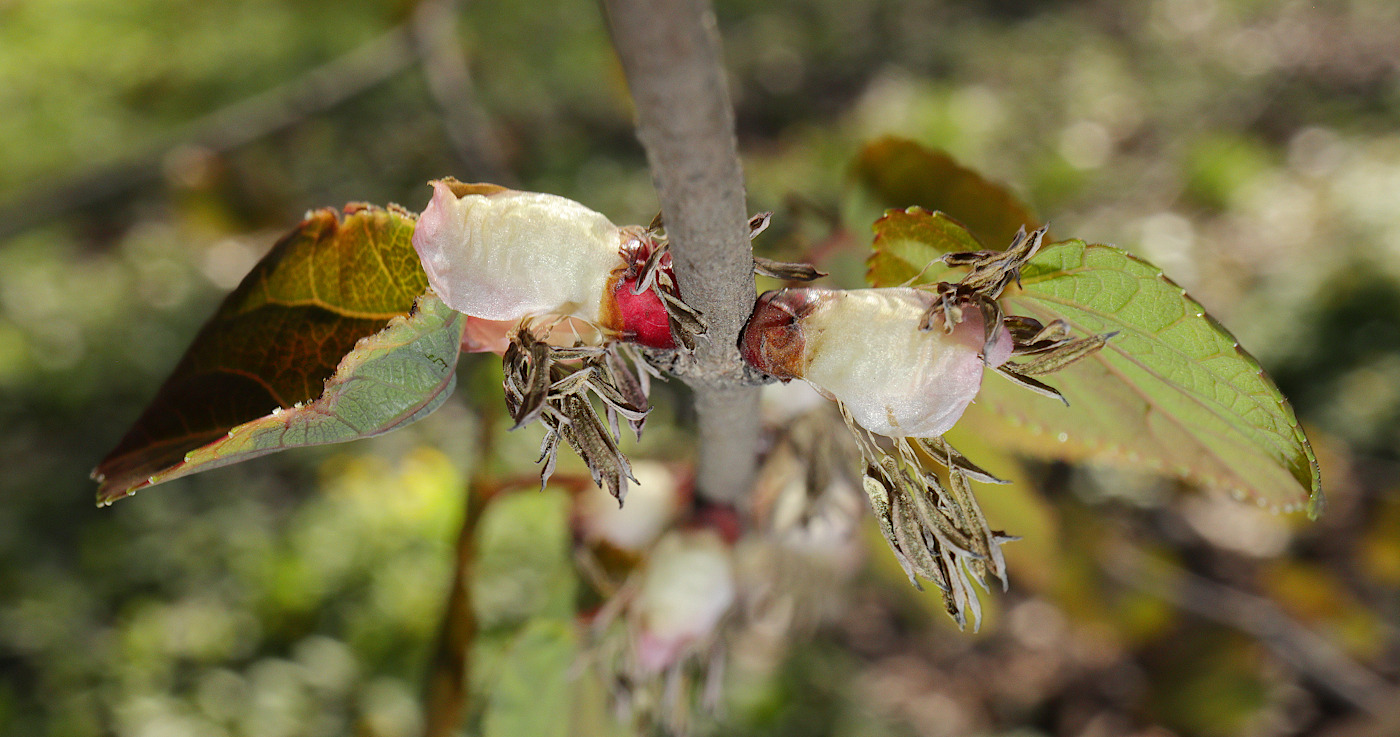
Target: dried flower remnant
552, 384
807, 495
903, 364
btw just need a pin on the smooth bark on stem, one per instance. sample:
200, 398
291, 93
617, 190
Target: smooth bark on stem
449, 673
670, 53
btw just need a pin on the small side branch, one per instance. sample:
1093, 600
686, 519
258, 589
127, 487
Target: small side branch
1309, 652
467, 127
670, 53
449, 675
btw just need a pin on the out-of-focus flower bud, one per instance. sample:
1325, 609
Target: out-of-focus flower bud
686, 590
652, 504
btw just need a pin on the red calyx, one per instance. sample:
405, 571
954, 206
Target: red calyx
644, 319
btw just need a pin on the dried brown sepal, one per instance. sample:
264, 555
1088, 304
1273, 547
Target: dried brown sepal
685, 337
1061, 355
1027, 382
879, 494
535, 384
937, 533
630, 389
961, 598
1030, 338
687, 324
944, 522
623, 354
1048, 337
603, 380
526, 364
549, 454
946, 310
992, 316
572, 382
874, 486
992, 271
992, 560
651, 268
989, 274
909, 536
759, 223
553, 384
1024, 330
604, 386
940, 449
1048, 346
606, 463
786, 271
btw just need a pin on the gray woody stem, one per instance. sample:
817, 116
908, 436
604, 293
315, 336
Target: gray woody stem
670, 53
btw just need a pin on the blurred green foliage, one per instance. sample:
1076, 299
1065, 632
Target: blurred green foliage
1250, 149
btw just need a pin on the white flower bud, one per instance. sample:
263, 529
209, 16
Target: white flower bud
500, 256
508, 255
652, 504
864, 348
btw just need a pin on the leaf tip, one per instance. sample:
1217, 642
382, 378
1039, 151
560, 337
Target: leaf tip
1317, 504
106, 495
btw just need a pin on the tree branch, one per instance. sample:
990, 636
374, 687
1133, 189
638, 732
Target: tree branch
319, 89
466, 125
1293, 643
670, 53
428, 38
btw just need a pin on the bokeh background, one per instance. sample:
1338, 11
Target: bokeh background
151, 150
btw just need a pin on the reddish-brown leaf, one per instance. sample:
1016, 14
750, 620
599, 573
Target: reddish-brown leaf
276, 338
901, 173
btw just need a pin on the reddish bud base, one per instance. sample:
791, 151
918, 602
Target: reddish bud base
644, 318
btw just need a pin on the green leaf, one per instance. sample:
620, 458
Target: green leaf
1172, 392
900, 172
524, 591
316, 345
907, 243
531, 693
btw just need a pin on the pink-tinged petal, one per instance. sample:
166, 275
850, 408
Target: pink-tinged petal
1000, 350
505, 255
438, 228
493, 336
488, 336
